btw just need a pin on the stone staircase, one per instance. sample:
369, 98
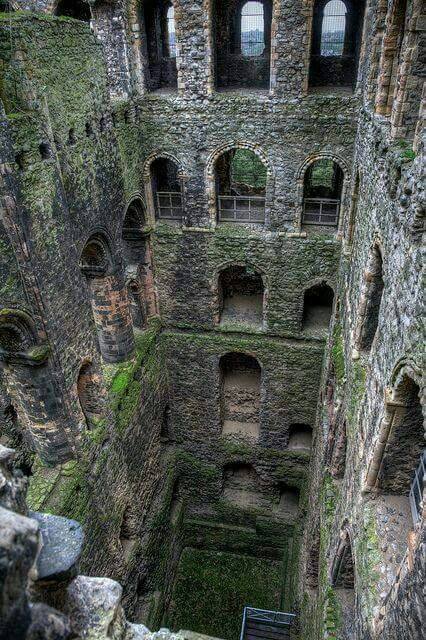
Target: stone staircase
260, 624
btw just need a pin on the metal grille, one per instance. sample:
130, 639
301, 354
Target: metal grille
241, 209
417, 487
333, 28
277, 620
171, 32
252, 29
169, 205
321, 211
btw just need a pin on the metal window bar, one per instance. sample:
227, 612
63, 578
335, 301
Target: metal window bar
169, 205
417, 488
277, 618
241, 209
252, 29
322, 211
333, 28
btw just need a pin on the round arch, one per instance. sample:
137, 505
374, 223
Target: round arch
300, 179
147, 180
211, 182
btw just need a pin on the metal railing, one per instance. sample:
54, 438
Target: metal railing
241, 209
169, 205
277, 618
322, 211
417, 488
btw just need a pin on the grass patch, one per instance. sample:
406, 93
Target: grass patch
212, 589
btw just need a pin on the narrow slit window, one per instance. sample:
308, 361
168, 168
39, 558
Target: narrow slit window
171, 32
333, 28
252, 30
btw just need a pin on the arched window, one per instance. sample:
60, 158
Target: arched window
343, 582
333, 28
241, 295
171, 32
167, 189
322, 192
240, 381
241, 187
242, 36
317, 307
252, 29
160, 44
372, 300
336, 42
77, 9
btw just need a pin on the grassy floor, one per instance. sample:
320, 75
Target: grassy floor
212, 589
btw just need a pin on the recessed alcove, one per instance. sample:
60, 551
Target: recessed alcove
317, 308
288, 500
241, 486
240, 395
300, 437
241, 295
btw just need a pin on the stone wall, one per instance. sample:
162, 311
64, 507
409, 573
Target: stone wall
81, 131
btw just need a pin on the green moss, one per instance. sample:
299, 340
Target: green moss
61, 490
212, 589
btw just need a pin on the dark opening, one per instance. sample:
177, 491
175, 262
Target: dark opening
241, 296
94, 258
336, 447
89, 130
90, 394
167, 189
240, 395
137, 310
300, 436
317, 307
5, 7
374, 295
289, 497
159, 20
343, 581
322, 192
44, 150
165, 433
336, 42
77, 9
71, 136
240, 186
242, 35
405, 445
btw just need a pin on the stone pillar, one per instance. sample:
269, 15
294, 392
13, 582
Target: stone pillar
112, 317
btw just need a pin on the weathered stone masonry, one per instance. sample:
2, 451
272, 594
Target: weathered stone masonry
164, 425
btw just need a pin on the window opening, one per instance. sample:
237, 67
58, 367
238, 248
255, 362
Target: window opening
240, 395
252, 29
171, 32
241, 294
322, 193
76, 9
167, 189
333, 28
241, 186
318, 306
